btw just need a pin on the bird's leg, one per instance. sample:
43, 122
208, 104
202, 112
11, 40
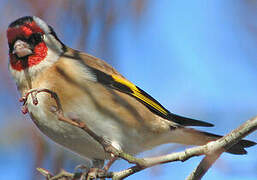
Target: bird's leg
33, 93
96, 171
24, 99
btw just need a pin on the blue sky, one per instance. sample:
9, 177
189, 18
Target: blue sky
197, 58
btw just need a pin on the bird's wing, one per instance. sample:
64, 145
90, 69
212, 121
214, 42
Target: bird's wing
111, 78
121, 84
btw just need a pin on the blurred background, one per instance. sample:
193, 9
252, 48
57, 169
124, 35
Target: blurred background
197, 58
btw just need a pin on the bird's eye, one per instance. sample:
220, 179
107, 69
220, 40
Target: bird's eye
35, 38
43, 37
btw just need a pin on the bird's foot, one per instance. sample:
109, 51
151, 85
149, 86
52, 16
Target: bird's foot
91, 173
24, 108
33, 93
95, 173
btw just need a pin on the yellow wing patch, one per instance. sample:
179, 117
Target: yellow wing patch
143, 96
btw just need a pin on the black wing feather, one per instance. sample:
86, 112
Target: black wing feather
122, 85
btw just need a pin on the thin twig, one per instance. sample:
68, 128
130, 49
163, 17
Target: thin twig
221, 145
212, 150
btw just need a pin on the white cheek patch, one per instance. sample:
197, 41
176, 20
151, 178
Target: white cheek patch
52, 43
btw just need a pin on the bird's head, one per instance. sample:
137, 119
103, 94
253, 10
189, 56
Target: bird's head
33, 45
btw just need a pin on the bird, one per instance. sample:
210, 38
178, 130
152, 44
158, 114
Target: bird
94, 92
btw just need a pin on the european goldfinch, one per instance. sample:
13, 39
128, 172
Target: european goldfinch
96, 94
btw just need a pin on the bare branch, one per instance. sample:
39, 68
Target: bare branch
221, 145
212, 150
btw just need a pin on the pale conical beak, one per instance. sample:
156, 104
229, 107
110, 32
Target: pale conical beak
22, 49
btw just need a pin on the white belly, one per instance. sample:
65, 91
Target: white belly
78, 140
62, 133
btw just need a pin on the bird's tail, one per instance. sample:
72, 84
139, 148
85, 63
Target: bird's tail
190, 136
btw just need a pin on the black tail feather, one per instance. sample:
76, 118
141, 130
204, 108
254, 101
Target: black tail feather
237, 148
187, 121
